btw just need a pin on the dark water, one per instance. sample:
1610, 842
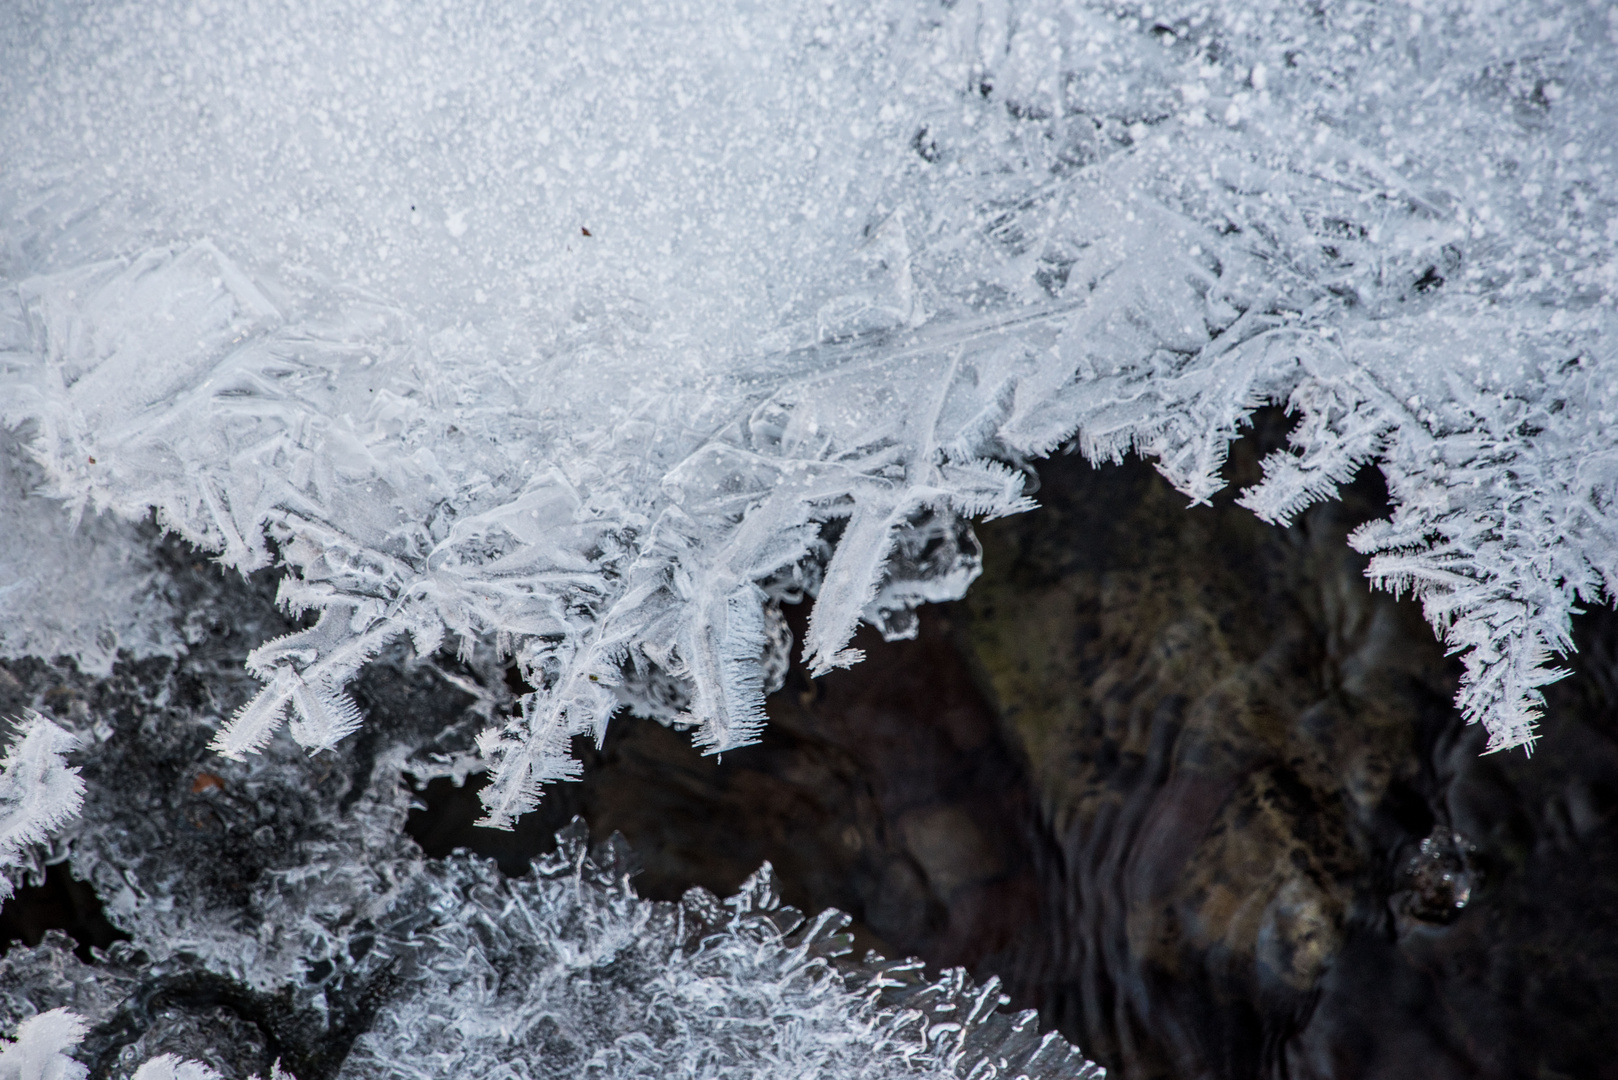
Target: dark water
1177, 777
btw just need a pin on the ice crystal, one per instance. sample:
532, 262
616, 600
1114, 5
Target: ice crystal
310, 915
569, 973
88, 588
596, 332
39, 792
174, 1067
279, 918
40, 1051
170, 1067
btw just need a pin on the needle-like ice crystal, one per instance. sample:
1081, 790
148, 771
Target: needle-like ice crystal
596, 330
39, 792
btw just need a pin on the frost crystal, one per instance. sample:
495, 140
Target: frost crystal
170, 1067
87, 588
596, 332
570, 973
39, 792
277, 911
40, 1050
173, 1067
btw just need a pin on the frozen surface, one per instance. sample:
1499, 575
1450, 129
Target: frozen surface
86, 588
598, 331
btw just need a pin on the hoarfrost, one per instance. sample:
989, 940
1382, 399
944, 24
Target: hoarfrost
282, 923
447, 968
596, 332
173, 1067
170, 1067
40, 1049
571, 973
39, 792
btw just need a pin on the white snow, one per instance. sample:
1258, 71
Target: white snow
595, 329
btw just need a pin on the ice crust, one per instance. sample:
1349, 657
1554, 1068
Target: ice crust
598, 331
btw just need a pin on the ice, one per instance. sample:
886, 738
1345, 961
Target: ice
598, 332
39, 1051
170, 1067
39, 792
86, 588
570, 971
276, 909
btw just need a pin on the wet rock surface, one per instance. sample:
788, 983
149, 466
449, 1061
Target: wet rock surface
1179, 778
1277, 850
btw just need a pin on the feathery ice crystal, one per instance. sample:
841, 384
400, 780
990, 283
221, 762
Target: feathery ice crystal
39, 792
601, 331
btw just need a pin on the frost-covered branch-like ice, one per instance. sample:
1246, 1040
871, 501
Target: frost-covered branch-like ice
598, 332
39, 791
574, 965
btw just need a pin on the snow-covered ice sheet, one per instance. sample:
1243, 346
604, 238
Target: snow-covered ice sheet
600, 330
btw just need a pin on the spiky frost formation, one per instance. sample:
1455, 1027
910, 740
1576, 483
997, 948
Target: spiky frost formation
39, 792
460, 971
481, 331
286, 889
40, 1049
568, 973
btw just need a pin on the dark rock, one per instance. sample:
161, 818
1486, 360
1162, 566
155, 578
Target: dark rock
59, 902
1278, 851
